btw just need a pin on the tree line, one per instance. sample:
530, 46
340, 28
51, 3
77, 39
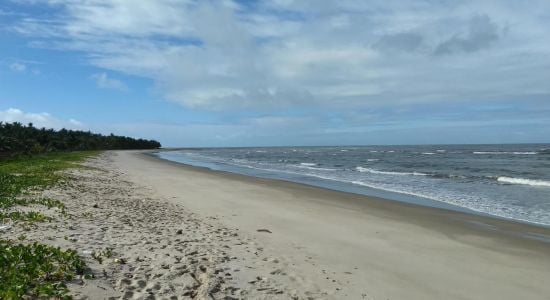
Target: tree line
16, 138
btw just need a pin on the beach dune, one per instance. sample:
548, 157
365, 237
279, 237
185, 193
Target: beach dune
357, 247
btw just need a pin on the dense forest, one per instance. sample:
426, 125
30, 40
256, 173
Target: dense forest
16, 138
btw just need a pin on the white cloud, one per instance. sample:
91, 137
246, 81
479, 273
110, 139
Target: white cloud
344, 54
104, 82
18, 67
39, 120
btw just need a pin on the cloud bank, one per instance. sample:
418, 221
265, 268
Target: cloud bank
343, 55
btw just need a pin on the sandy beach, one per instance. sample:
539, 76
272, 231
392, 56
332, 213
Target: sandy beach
170, 231
275, 149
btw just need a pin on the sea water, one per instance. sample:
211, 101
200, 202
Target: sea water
508, 181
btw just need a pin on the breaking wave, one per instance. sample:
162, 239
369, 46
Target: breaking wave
373, 171
523, 181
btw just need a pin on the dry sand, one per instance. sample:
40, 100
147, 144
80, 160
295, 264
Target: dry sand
186, 232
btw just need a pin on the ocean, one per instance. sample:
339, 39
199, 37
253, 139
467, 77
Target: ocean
506, 181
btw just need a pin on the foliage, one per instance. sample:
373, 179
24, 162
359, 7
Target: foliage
36, 270
30, 216
16, 138
48, 202
31, 160
18, 174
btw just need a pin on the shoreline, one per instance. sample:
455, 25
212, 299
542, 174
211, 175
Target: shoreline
348, 187
480, 220
149, 228
373, 247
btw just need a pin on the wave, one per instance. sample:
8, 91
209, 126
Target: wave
503, 152
373, 171
398, 182
428, 153
491, 152
471, 204
399, 191
302, 166
523, 181
433, 175
451, 176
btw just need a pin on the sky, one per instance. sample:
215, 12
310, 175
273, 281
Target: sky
282, 72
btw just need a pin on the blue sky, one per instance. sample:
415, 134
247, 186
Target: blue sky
260, 73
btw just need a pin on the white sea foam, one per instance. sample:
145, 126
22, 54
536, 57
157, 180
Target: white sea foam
400, 184
374, 171
502, 152
308, 164
372, 159
481, 204
428, 153
396, 190
489, 152
524, 181
525, 153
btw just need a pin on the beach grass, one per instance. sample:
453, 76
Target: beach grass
35, 270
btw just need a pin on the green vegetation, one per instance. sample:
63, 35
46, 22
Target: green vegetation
16, 138
21, 175
30, 216
30, 159
34, 270
8, 202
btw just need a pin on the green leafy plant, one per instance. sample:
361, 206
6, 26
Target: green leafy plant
37, 270
30, 216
